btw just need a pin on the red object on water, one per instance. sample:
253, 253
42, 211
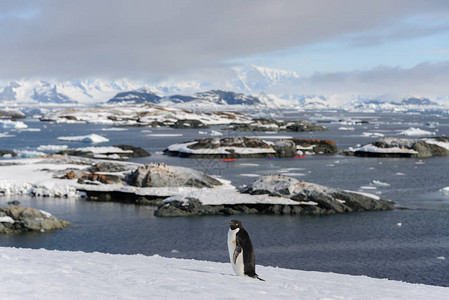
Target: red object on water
227, 159
299, 156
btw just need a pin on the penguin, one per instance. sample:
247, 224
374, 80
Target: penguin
241, 251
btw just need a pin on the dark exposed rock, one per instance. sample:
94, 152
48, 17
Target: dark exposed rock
11, 114
330, 199
183, 124
285, 148
136, 151
319, 146
16, 219
274, 125
93, 178
131, 152
7, 152
139, 96
227, 97
161, 175
111, 167
303, 126
239, 142
95, 173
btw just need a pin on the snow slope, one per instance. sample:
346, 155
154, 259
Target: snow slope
44, 274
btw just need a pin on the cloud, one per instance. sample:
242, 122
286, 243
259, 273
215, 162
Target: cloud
159, 39
425, 79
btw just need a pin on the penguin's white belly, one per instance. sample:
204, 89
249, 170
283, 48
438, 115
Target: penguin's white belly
238, 266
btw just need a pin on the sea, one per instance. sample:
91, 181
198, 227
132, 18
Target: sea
410, 243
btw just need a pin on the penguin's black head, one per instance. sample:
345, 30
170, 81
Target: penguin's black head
234, 224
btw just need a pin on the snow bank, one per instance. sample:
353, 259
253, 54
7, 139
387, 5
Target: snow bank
76, 275
39, 177
441, 144
7, 219
92, 138
35, 177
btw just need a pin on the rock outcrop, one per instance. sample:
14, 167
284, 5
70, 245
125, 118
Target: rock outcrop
245, 147
16, 219
315, 146
232, 147
119, 152
7, 153
96, 174
313, 199
331, 200
161, 175
11, 114
189, 124
403, 147
274, 125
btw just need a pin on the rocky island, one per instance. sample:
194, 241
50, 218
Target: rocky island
305, 199
274, 125
118, 152
145, 114
16, 219
176, 191
248, 147
403, 147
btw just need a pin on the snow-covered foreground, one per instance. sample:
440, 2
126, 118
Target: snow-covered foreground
44, 274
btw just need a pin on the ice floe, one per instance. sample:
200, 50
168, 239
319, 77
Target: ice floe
445, 191
372, 134
8, 124
52, 147
378, 183
91, 138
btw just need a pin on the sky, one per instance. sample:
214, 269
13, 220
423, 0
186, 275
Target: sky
334, 46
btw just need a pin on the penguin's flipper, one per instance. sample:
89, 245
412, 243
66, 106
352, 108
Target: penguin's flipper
237, 251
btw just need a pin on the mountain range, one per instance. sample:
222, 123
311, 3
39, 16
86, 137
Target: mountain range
250, 85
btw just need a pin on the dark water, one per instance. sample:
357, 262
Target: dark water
369, 244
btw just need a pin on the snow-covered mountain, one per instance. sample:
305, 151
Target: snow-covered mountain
246, 79
243, 85
386, 104
224, 98
213, 97
67, 92
254, 79
139, 96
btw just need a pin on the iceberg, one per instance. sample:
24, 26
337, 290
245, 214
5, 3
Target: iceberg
412, 131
